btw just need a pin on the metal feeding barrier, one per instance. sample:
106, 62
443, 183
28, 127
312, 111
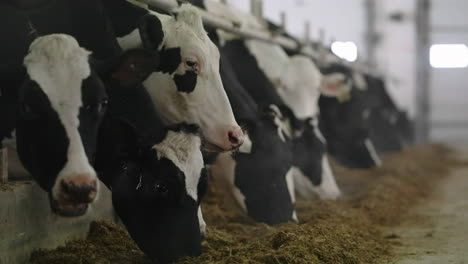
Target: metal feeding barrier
303, 47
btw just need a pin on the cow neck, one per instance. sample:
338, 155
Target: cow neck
28, 4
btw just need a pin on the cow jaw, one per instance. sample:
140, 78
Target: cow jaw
326, 190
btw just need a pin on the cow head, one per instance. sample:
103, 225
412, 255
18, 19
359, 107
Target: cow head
299, 86
62, 103
312, 173
259, 178
188, 87
156, 174
157, 186
344, 119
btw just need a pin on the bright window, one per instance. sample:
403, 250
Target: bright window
345, 50
449, 56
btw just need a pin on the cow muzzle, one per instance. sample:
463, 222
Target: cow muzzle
74, 195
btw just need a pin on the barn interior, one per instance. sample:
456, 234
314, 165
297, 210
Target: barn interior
411, 207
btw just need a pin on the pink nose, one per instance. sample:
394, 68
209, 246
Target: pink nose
236, 137
80, 188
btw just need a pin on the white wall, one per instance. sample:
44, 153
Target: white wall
449, 87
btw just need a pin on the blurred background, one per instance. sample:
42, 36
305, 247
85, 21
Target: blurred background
419, 46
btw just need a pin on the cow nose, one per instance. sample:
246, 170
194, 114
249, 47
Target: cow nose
236, 137
80, 188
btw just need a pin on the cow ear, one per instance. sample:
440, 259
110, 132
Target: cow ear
117, 141
151, 32
135, 66
189, 15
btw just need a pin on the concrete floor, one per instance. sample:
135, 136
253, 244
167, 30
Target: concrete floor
437, 231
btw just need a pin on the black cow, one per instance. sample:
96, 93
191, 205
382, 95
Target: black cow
390, 128
344, 115
156, 173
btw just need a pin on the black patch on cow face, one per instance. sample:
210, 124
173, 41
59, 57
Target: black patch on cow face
149, 195
308, 154
94, 107
345, 130
261, 174
170, 60
186, 83
151, 32
40, 136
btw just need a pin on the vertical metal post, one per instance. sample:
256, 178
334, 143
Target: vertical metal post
371, 35
256, 8
307, 32
283, 20
3, 165
423, 111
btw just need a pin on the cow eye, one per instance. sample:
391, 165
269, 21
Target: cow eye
192, 65
103, 105
123, 165
27, 112
161, 188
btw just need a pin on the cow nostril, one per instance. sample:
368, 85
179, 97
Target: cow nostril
84, 193
233, 138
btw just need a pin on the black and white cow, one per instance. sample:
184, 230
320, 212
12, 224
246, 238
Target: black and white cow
384, 117
344, 116
310, 166
156, 173
297, 80
188, 87
60, 106
258, 176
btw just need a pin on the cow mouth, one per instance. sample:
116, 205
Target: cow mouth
68, 208
210, 147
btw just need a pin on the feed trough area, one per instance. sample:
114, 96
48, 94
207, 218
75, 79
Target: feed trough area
357, 229
233, 132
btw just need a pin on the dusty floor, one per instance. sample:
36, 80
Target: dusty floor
357, 229
437, 231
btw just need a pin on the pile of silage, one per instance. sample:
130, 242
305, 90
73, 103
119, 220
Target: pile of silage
345, 231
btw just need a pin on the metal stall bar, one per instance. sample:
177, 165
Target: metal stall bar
422, 122
214, 21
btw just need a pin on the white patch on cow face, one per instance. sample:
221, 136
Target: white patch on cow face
370, 148
247, 146
207, 105
224, 169
59, 65
201, 221
335, 85
183, 150
292, 194
300, 86
359, 81
297, 79
327, 190
285, 130
318, 134
271, 59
